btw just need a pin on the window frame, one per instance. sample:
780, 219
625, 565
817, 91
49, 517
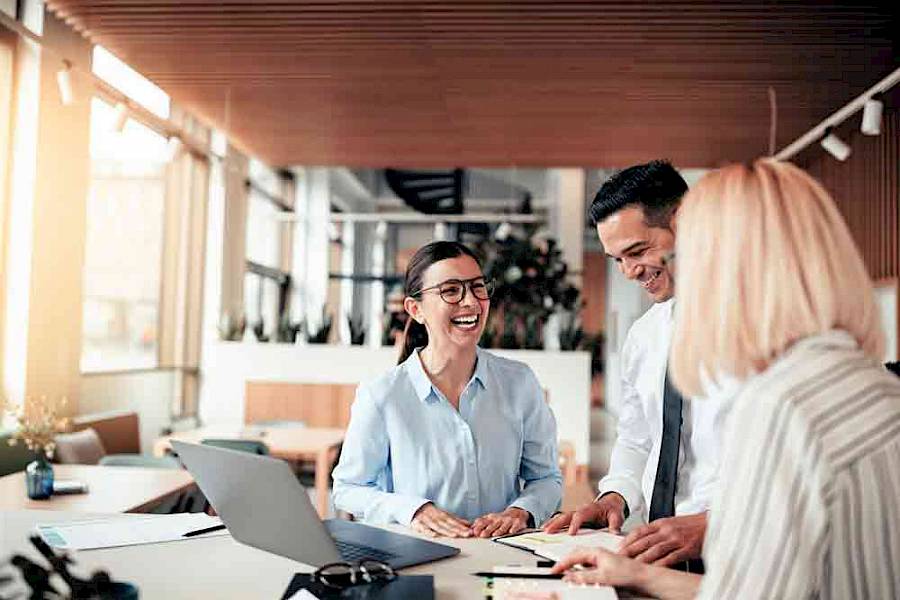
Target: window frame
280, 275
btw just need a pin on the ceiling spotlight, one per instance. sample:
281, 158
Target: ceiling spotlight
120, 117
871, 119
835, 145
173, 148
64, 82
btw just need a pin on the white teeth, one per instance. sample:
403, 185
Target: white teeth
652, 279
470, 320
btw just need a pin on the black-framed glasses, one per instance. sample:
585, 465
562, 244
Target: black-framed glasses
342, 575
453, 291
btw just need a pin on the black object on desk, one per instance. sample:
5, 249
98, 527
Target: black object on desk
99, 586
420, 587
511, 575
202, 531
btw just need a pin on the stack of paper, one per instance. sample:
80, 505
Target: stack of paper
548, 589
91, 534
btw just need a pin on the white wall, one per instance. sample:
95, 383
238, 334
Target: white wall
625, 302
567, 217
227, 366
149, 393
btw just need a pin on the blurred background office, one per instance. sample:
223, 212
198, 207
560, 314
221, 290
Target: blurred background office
206, 208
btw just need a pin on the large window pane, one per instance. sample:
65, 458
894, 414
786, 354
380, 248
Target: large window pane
131, 83
123, 248
261, 296
263, 231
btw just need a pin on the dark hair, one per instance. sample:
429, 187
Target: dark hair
656, 187
414, 334
893, 367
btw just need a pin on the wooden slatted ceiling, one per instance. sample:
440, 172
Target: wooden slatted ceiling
491, 83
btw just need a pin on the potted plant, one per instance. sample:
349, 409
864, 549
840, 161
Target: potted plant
357, 330
37, 429
320, 335
287, 330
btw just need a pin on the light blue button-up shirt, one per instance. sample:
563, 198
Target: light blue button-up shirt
406, 445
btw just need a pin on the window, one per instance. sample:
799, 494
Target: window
131, 83
267, 277
123, 246
6, 81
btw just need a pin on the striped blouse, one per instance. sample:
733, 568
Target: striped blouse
809, 503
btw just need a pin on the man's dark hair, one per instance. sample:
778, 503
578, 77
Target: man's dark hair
893, 367
656, 187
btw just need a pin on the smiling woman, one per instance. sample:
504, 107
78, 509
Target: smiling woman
453, 440
449, 269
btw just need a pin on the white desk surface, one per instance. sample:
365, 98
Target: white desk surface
223, 568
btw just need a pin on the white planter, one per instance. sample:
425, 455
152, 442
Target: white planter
227, 366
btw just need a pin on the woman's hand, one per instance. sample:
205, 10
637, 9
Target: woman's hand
603, 567
607, 568
511, 520
433, 521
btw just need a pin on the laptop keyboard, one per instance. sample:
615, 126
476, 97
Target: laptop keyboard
351, 552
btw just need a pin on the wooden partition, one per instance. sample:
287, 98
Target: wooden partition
316, 404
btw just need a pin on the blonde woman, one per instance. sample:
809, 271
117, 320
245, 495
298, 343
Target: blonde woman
772, 292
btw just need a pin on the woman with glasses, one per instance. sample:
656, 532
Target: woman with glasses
772, 292
453, 441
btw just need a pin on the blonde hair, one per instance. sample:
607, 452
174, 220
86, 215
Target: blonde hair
763, 259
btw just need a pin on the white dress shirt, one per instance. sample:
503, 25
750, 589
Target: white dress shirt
635, 455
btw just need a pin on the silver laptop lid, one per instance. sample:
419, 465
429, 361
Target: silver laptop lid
260, 501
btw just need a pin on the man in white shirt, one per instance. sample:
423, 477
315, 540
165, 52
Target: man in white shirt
665, 459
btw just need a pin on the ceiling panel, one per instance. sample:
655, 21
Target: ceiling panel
488, 83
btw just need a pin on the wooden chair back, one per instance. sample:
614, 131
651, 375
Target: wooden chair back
315, 404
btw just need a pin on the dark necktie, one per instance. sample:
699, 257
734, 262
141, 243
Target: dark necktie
662, 503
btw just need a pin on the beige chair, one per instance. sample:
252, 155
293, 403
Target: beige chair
80, 448
118, 430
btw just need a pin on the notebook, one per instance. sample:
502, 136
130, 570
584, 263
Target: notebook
94, 533
555, 546
547, 589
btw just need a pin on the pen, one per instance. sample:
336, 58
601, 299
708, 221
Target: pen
202, 531
501, 575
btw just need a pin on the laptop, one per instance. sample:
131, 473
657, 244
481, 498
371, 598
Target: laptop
263, 505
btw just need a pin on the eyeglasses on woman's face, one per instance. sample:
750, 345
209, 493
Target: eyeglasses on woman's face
342, 575
453, 291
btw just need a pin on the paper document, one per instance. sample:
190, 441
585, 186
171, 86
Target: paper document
89, 534
549, 589
557, 545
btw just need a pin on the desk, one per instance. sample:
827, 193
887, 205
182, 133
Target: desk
110, 489
297, 444
219, 567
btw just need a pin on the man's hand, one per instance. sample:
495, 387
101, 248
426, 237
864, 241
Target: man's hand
608, 510
432, 521
511, 520
668, 541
